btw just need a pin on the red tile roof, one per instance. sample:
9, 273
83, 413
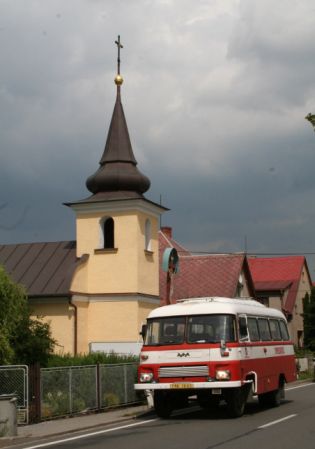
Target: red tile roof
166, 241
199, 276
278, 273
272, 285
211, 275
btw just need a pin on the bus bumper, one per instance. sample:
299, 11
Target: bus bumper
190, 385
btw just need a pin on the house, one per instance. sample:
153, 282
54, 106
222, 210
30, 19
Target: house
225, 275
282, 283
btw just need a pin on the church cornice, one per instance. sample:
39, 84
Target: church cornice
98, 206
116, 297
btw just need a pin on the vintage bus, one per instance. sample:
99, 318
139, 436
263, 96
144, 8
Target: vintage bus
214, 349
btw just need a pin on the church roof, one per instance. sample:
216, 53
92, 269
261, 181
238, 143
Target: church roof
118, 170
44, 269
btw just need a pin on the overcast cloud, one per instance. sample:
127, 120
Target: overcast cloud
215, 96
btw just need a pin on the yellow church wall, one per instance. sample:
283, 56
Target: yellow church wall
143, 312
129, 269
82, 311
60, 317
97, 321
110, 321
148, 261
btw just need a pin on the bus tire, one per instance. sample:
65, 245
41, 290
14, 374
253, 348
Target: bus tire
272, 398
277, 396
162, 404
236, 400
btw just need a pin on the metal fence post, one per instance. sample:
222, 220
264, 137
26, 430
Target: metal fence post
35, 393
125, 383
70, 390
98, 387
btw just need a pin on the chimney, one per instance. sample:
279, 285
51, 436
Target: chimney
167, 230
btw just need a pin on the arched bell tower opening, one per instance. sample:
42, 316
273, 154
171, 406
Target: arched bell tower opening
107, 233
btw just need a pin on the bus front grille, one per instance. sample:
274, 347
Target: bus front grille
184, 371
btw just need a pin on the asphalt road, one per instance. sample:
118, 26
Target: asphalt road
290, 426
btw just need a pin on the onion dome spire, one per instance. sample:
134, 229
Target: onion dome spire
118, 170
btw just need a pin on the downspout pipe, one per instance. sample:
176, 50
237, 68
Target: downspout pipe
75, 336
79, 262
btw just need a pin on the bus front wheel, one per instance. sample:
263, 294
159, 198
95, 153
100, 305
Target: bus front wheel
236, 400
162, 404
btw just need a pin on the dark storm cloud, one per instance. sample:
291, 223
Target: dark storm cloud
215, 96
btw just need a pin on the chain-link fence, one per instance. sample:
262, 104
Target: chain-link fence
117, 385
79, 389
14, 380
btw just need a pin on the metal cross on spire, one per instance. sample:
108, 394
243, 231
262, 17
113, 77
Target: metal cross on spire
119, 46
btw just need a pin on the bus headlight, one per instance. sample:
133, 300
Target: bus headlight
145, 377
222, 374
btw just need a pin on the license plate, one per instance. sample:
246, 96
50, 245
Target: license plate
216, 391
177, 386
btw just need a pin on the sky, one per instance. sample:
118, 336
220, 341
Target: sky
215, 95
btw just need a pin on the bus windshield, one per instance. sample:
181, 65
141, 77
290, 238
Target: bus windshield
191, 329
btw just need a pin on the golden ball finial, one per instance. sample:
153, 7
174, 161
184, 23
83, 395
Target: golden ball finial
119, 80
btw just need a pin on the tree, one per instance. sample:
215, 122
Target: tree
22, 339
309, 320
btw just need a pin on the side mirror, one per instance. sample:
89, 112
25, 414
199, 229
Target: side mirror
143, 331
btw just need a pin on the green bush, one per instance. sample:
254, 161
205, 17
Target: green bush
90, 359
110, 400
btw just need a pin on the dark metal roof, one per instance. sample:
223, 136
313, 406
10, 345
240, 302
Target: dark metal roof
118, 167
114, 196
45, 269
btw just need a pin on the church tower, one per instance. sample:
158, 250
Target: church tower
116, 282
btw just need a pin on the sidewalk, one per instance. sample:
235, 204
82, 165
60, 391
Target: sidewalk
72, 424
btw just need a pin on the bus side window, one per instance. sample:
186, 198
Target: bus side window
284, 330
242, 325
253, 329
275, 329
264, 330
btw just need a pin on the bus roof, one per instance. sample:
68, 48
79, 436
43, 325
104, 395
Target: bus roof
201, 306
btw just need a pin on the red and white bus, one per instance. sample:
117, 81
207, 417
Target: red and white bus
215, 349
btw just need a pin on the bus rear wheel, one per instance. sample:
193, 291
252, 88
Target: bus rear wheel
272, 398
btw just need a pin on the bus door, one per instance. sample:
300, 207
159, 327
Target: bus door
245, 349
